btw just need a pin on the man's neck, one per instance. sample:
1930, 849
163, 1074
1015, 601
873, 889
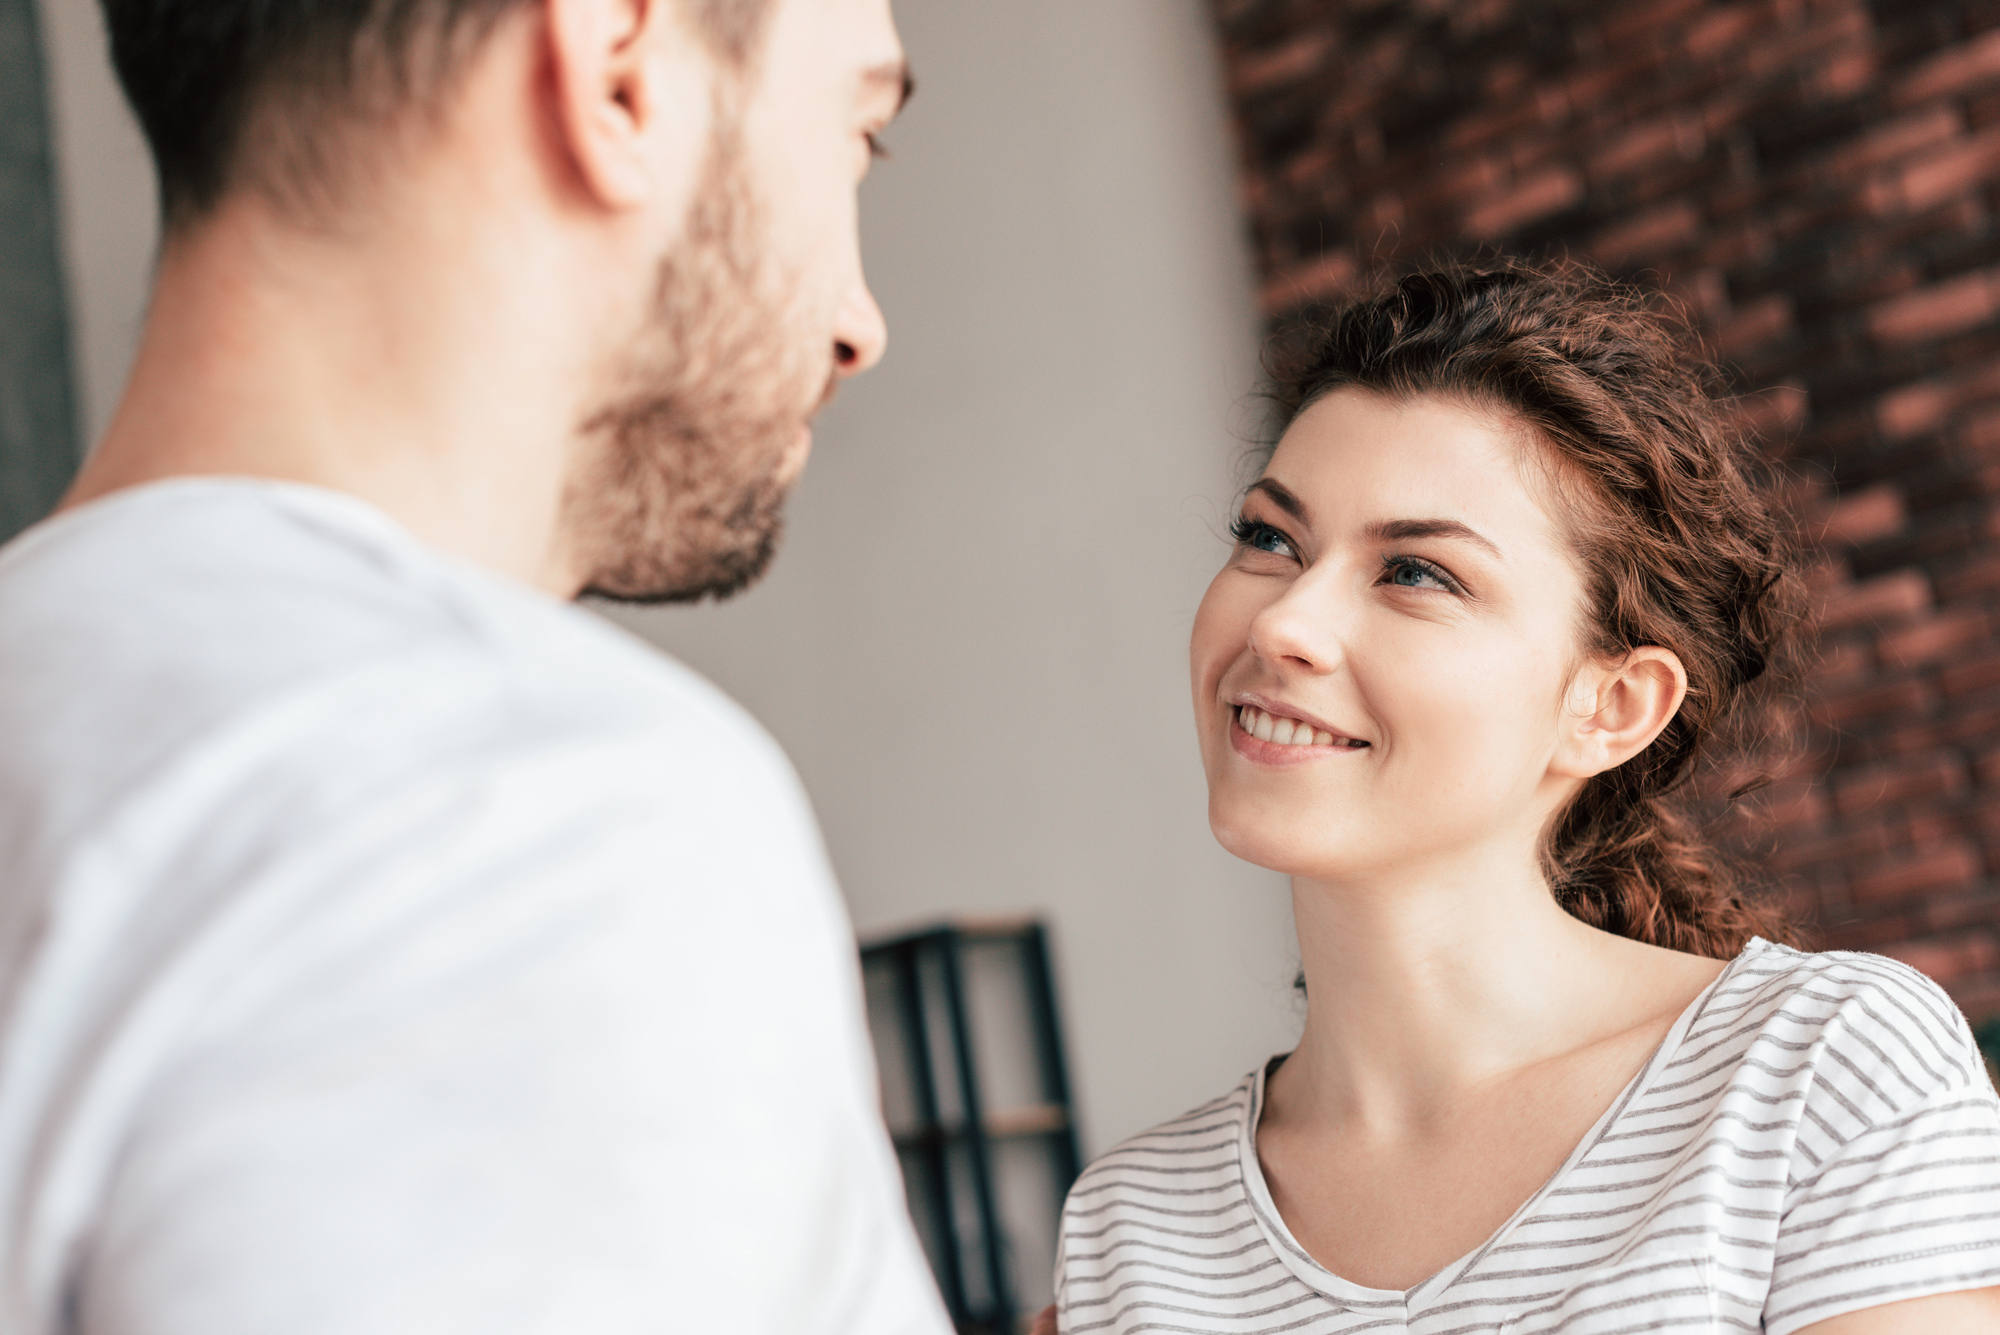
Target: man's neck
430, 389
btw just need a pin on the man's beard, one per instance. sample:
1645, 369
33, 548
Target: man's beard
682, 487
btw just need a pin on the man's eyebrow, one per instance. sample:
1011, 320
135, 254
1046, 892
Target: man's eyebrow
1395, 530
896, 74
1281, 496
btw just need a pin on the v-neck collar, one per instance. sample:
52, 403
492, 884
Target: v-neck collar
1389, 1301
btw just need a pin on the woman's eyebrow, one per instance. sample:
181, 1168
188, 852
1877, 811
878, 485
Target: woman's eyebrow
1401, 530
1282, 497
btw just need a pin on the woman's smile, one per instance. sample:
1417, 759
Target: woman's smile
1272, 735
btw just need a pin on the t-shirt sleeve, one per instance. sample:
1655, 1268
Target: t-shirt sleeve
573, 1045
1895, 1188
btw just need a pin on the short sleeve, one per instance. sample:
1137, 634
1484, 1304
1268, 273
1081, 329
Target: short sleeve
1895, 1192
572, 1042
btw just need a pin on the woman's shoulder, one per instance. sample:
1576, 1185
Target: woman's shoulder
1192, 1153
1868, 1030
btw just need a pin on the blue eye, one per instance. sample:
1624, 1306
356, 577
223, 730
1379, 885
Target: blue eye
1260, 537
1408, 572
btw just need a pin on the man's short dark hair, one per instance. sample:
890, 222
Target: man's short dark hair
254, 92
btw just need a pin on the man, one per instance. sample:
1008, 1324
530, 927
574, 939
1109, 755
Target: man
389, 946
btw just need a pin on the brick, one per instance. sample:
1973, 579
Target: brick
1654, 233
1979, 998
1899, 594
1550, 191
1899, 699
1778, 411
1932, 639
1856, 840
1978, 576
1957, 170
1980, 432
1949, 866
1899, 138
1642, 145
1792, 806
1928, 824
1940, 309
1954, 70
1914, 409
1328, 275
1873, 512
1755, 324
1872, 932
1976, 908
1972, 672
1649, 22
1943, 960
1280, 65
1846, 74
1975, 722
1878, 786
1843, 663
1453, 183
1719, 28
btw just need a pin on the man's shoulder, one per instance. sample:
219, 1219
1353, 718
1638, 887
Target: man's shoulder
299, 632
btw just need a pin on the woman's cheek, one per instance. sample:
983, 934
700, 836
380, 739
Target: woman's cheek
1479, 740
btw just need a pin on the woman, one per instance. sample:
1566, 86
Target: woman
1503, 583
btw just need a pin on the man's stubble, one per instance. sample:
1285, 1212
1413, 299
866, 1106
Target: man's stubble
682, 492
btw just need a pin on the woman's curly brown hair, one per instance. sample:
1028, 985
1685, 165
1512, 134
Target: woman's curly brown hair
1680, 546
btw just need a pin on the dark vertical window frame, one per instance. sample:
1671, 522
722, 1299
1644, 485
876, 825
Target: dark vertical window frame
38, 436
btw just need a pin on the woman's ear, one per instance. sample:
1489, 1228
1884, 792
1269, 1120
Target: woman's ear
1615, 710
629, 86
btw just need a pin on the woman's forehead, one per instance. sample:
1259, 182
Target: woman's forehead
1358, 457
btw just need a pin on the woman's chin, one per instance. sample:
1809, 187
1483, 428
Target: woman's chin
1273, 844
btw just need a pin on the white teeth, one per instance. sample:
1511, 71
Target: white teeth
1284, 731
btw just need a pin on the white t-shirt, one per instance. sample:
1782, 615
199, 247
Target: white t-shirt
1816, 1135
387, 949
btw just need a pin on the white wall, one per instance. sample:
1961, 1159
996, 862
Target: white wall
974, 642
104, 182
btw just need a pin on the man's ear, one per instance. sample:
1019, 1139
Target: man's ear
1615, 710
629, 83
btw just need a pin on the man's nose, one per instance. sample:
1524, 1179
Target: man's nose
859, 332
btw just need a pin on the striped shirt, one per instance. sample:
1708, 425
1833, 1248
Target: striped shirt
1816, 1134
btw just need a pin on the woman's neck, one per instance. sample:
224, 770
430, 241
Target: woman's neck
1424, 990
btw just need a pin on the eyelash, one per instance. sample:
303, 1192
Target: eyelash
1243, 529
1436, 572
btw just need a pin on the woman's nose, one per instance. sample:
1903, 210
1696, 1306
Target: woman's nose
1300, 629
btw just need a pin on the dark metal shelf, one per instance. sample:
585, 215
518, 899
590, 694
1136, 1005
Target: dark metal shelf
976, 1093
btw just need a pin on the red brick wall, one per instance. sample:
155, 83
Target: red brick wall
1819, 180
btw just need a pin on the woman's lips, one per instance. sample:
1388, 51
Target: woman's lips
1271, 738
